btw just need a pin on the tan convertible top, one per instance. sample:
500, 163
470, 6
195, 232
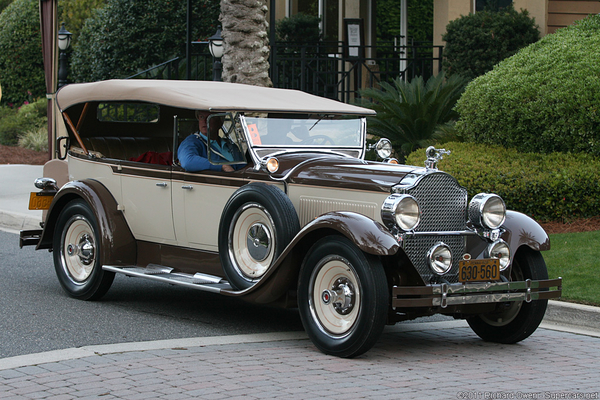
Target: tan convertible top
203, 95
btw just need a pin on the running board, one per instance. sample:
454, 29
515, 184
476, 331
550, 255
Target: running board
204, 282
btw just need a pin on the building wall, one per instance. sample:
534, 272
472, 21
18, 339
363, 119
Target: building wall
549, 15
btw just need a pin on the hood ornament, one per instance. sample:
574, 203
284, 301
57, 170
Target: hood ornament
434, 156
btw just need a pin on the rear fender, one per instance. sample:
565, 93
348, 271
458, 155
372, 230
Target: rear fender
117, 243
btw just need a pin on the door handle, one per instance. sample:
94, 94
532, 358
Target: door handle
161, 184
187, 187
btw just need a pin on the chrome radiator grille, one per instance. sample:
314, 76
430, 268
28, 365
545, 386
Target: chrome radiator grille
443, 205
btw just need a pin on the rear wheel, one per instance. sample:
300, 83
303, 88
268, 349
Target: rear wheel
76, 253
514, 321
342, 297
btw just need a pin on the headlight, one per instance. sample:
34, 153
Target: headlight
439, 258
499, 250
401, 210
487, 210
383, 148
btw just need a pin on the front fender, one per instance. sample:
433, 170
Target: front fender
370, 236
522, 230
117, 242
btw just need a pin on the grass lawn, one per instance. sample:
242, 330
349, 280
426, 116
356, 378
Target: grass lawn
576, 258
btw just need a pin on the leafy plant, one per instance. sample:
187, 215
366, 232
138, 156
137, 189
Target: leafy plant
21, 64
35, 139
299, 28
127, 36
413, 114
547, 187
477, 42
74, 13
15, 122
544, 99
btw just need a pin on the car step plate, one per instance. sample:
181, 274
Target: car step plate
204, 282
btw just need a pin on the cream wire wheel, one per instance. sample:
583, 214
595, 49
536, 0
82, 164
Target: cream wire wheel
78, 250
343, 297
252, 239
335, 296
77, 255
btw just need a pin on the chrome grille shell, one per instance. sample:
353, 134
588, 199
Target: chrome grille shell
443, 205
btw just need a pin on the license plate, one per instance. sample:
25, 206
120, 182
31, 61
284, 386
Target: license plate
37, 202
479, 270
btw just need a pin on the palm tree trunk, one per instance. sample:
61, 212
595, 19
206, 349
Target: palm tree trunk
246, 42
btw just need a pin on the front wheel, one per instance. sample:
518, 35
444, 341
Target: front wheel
514, 321
342, 297
76, 253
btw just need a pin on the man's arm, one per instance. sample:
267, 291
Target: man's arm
192, 156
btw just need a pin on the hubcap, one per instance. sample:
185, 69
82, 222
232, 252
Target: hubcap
335, 296
259, 241
252, 241
78, 250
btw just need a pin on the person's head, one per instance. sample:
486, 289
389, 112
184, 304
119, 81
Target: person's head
215, 123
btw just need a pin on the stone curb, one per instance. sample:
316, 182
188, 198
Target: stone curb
16, 222
571, 314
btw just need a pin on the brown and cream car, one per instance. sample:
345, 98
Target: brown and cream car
303, 220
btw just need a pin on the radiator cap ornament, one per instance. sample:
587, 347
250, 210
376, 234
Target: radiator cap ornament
434, 156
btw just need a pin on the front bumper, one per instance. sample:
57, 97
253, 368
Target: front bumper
452, 294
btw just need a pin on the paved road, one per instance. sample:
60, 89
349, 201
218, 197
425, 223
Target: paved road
440, 360
36, 315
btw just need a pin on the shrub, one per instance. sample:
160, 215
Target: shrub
74, 13
127, 36
413, 114
21, 63
544, 99
300, 29
552, 187
477, 42
35, 139
14, 123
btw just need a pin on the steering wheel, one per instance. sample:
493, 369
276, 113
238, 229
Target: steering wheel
318, 139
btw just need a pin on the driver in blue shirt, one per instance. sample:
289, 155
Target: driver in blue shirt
192, 152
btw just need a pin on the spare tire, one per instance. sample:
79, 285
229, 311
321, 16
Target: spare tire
258, 222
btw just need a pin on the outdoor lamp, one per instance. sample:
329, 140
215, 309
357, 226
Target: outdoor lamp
215, 45
64, 38
64, 42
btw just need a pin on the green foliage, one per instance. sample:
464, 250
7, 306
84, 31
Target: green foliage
413, 114
127, 36
15, 122
552, 187
35, 139
300, 28
4, 4
544, 99
477, 42
74, 13
419, 15
574, 257
21, 63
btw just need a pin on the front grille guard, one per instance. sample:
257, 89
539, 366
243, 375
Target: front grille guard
444, 295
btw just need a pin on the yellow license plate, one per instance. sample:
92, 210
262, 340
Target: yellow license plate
37, 202
479, 270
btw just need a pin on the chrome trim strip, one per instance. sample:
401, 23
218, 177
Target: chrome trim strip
173, 278
447, 233
483, 298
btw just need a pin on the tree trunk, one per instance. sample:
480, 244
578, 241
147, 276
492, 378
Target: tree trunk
246, 42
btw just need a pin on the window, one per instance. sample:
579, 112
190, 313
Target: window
128, 112
493, 5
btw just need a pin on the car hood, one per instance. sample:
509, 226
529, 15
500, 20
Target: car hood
337, 171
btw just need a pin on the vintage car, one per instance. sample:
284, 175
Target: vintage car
303, 220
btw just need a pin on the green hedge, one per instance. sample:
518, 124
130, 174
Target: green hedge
21, 63
544, 99
16, 122
547, 187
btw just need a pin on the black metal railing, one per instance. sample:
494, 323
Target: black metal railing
328, 69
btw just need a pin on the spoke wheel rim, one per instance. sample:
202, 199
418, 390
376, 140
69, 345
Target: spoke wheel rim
78, 250
252, 241
335, 296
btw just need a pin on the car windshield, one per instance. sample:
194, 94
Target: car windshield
313, 132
